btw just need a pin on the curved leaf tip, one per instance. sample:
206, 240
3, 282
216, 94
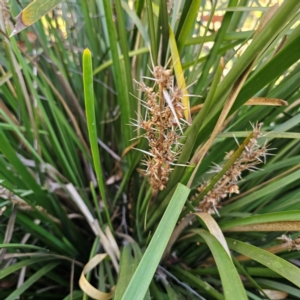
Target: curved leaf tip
19, 25
86, 51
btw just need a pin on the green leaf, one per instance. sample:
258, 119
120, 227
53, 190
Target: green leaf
274, 68
92, 126
137, 288
137, 23
264, 38
125, 101
125, 51
273, 186
130, 258
11, 155
163, 32
31, 280
76, 295
153, 40
279, 286
271, 261
60, 244
23, 263
188, 21
196, 281
171, 292
179, 76
282, 216
213, 53
110, 62
231, 282
21, 246
33, 12
271, 135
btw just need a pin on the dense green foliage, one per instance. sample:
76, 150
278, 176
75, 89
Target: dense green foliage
72, 179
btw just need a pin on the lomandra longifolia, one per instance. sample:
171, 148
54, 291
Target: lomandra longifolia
163, 125
227, 185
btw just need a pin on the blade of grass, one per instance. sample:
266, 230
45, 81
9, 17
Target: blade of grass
163, 32
28, 179
31, 280
180, 76
274, 186
258, 45
283, 216
76, 295
59, 244
280, 287
124, 101
188, 20
271, 261
229, 36
274, 68
197, 282
19, 265
146, 269
130, 258
92, 128
110, 62
231, 282
135, 19
214, 229
21, 246
125, 51
213, 54
153, 40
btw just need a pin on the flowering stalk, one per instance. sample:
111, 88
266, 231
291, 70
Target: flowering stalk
163, 118
227, 185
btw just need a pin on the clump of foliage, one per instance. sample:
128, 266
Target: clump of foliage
77, 192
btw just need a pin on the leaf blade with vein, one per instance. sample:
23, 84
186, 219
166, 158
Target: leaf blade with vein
32, 13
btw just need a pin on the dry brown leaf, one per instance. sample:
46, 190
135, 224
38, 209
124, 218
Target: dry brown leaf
272, 226
129, 148
266, 101
251, 101
86, 287
214, 229
275, 295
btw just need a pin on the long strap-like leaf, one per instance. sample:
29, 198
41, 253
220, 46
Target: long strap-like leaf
33, 12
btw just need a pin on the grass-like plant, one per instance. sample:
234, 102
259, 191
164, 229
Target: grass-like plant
149, 149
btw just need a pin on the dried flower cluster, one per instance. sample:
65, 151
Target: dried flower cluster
250, 157
292, 244
163, 119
